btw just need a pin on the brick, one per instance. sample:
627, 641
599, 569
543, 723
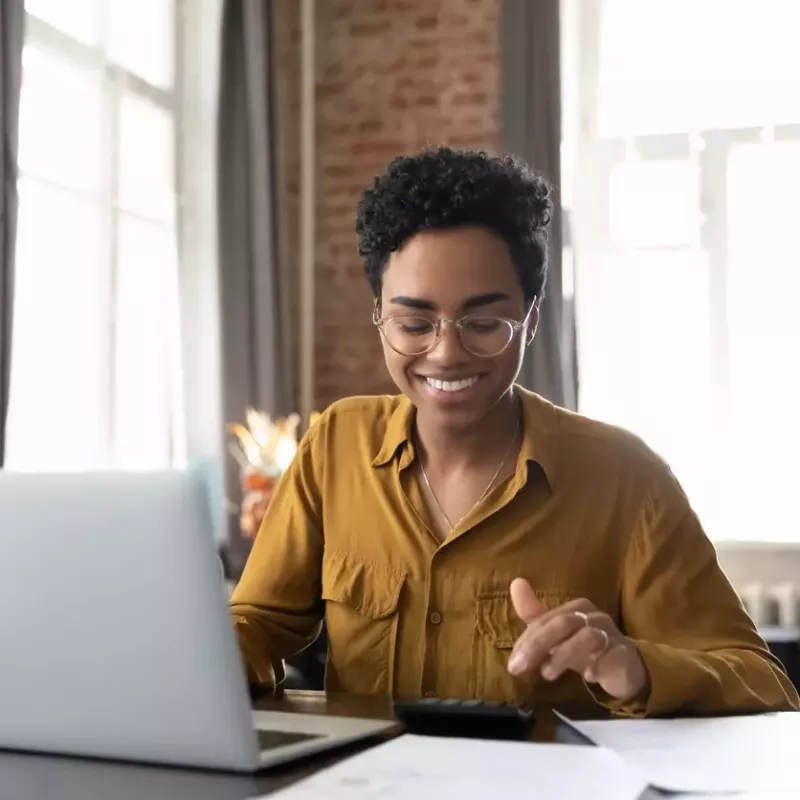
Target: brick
476, 37
331, 89
408, 82
398, 65
423, 44
386, 148
337, 129
368, 29
337, 209
473, 77
370, 126
339, 171
426, 63
469, 99
467, 140
339, 10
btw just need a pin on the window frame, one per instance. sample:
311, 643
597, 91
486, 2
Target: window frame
596, 157
117, 83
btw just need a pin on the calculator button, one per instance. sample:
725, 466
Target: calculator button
472, 703
451, 702
430, 694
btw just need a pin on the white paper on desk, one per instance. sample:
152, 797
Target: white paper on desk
431, 768
720, 754
755, 795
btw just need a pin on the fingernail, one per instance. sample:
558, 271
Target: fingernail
515, 663
548, 673
588, 675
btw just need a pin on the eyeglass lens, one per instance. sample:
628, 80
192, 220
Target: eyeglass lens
481, 336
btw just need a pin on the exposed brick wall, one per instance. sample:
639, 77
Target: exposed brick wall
392, 77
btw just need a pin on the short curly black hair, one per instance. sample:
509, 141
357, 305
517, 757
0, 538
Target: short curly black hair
446, 188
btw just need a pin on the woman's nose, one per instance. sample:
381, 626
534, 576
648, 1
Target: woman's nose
448, 349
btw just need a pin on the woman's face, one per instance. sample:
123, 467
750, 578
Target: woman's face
447, 274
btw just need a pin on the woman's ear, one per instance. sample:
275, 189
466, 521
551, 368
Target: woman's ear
533, 324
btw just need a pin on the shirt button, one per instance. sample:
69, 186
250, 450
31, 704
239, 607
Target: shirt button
435, 618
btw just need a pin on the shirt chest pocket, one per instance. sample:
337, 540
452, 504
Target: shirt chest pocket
361, 617
497, 629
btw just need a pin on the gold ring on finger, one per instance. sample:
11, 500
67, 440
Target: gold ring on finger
584, 616
606, 644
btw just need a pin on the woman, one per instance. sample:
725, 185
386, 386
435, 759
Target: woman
466, 538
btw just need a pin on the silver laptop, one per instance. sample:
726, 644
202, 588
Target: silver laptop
115, 637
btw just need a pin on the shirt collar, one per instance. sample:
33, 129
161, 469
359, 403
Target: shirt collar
539, 445
398, 432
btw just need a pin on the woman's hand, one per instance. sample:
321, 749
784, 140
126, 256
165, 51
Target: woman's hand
575, 636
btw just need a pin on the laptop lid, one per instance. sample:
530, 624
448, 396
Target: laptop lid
115, 635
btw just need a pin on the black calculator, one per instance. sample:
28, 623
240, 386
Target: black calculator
471, 719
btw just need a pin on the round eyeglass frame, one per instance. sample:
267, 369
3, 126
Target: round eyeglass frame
438, 324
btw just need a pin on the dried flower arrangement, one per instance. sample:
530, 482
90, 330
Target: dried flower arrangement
263, 449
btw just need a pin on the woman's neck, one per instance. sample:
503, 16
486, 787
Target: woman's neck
445, 449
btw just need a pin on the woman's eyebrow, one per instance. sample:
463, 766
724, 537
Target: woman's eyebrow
479, 300
413, 302
476, 301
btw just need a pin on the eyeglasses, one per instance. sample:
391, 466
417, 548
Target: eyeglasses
480, 335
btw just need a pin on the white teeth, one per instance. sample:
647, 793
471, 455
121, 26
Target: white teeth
452, 386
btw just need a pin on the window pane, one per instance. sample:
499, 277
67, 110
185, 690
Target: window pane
685, 65
58, 416
654, 204
80, 19
644, 339
146, 353
61, 108
764, 336
142, 38
147, 179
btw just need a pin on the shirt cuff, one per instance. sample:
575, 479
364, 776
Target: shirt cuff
666, 669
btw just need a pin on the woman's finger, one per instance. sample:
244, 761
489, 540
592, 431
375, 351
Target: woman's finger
579, 652
536, 644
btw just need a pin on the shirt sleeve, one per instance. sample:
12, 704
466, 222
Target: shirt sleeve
276, 607
702, 651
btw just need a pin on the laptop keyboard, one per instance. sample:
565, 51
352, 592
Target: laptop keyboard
269, 740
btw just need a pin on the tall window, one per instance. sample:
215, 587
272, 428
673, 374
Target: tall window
686, 162
95, 371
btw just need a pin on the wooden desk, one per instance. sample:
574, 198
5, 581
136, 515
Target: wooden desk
26, 776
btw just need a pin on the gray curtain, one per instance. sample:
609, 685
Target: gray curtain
12, 35
531, 128
256, 369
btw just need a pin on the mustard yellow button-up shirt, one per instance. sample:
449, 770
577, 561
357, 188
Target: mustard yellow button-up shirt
589, 512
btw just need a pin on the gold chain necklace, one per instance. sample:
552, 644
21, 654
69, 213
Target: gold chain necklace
485, 491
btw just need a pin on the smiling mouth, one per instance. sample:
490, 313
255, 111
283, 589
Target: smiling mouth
452, 386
